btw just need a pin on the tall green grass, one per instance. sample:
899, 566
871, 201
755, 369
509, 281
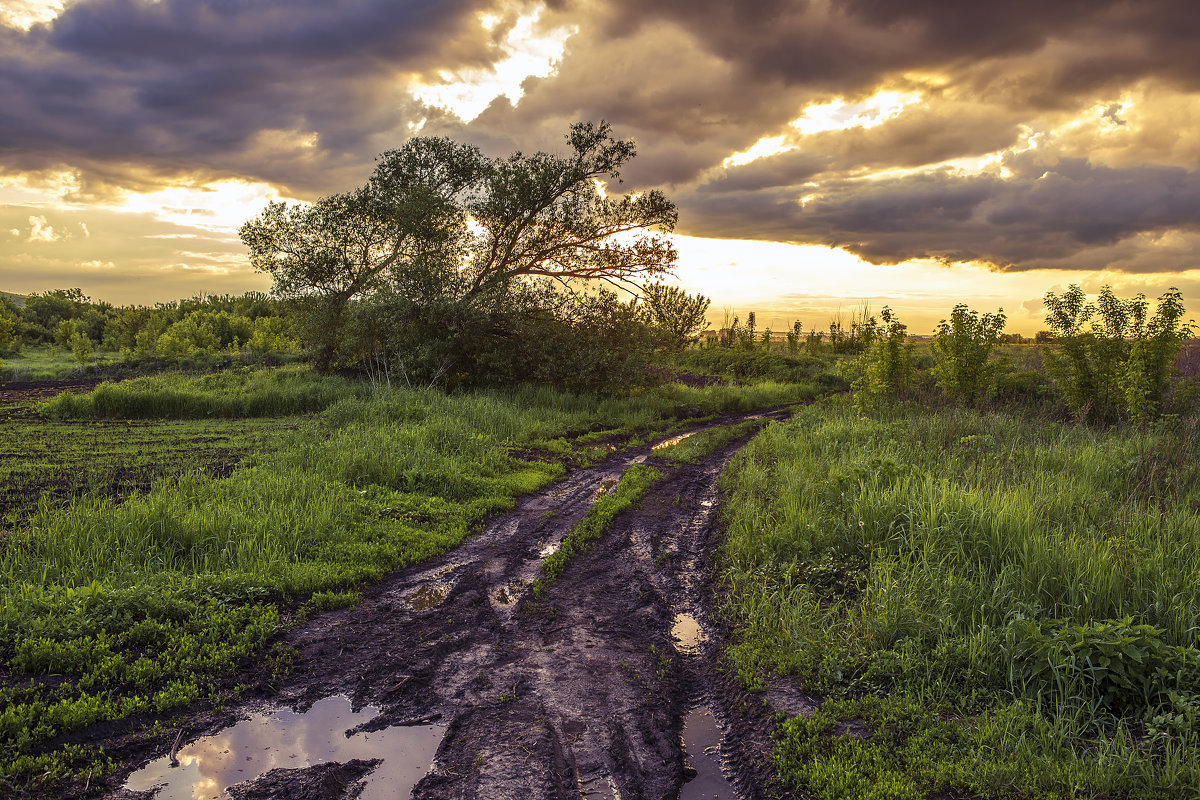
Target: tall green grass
990, 568
237, 392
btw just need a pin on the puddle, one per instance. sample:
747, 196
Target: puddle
702, 743
549, 549
673, 440
687, 634
428, 596
285, 739
604, 488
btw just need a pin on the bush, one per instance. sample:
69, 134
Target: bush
961, 347
885, 371
1111, 362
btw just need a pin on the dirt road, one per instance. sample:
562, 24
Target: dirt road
589, 692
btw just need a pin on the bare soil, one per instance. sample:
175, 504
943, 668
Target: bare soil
582, 693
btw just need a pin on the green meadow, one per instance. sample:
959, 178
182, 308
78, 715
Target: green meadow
989, 603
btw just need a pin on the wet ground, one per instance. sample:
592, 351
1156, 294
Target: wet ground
449, 680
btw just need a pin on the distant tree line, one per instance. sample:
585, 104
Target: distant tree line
252, 324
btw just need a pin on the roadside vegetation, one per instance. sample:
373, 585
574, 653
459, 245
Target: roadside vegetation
992, 595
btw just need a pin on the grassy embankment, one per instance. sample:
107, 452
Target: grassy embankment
991, 604
111, 606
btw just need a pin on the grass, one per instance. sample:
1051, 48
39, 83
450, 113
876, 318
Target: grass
237, 392
46, 364
1007, 606
762, 364
45, 461
112, 606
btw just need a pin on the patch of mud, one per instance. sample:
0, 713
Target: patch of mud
319, 782
290, 742
587, 692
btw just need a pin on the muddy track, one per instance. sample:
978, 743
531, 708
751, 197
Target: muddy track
583, 693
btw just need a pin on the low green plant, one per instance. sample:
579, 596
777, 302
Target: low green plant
332, 601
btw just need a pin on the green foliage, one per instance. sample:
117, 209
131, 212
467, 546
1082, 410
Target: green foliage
1107, 667
401, 244
82, 348
1028, 588
8, 328
676, 315
961, 347
1110, 360
884, 373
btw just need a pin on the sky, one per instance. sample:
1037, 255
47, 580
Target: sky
823, 153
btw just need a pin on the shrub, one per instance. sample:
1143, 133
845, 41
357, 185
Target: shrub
961, 346
1119, 366
885, 371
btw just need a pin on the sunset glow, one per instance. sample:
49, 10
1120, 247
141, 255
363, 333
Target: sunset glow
895, 167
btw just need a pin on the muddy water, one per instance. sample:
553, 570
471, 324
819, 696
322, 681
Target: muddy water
687, 634
288, 740
674, 440
702, 743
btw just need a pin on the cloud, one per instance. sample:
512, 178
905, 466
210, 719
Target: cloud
200, 88
1031, 134
1042, 215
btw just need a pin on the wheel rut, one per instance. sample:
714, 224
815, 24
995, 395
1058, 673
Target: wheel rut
584, 692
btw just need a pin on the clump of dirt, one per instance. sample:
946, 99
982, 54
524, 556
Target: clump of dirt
318, 782
583, 693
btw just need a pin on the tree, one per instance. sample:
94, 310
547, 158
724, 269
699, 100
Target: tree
406, 233
676, 314
344, 246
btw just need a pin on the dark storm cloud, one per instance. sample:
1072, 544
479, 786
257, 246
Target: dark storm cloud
849, 45
1040, 216
190, 86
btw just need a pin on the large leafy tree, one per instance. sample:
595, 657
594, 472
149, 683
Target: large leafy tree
440, 225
